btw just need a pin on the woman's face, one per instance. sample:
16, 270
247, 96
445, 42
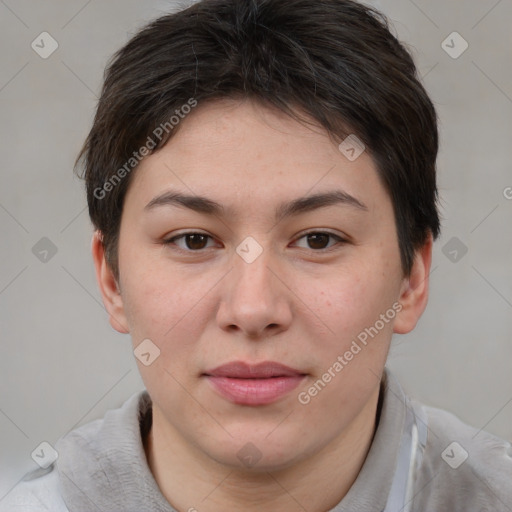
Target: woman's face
313, 287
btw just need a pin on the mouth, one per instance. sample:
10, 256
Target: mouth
253, 384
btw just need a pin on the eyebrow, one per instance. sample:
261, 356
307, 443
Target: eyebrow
297, 206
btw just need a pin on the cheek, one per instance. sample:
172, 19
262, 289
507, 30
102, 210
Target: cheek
349, 358
163, 305
164, 310
353, 297
351, 303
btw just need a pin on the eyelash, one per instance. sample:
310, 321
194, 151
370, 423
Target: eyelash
170, 241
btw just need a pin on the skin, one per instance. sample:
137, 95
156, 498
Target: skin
301, 303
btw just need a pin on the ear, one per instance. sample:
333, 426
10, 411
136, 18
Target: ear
108, 286
414, 290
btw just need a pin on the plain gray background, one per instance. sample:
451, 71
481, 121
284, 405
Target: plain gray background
63, 365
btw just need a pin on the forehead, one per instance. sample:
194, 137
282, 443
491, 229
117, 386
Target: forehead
242, 150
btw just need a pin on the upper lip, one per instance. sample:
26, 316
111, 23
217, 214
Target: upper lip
264, 370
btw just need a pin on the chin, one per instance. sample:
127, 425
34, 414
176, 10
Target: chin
258, 453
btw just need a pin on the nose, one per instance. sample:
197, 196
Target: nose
255, 299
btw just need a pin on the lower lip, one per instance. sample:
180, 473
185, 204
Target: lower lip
254, 391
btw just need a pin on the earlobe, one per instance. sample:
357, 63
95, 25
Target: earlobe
414, 291
107, 284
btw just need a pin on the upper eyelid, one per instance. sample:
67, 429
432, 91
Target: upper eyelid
300, 235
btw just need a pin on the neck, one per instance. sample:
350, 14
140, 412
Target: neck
190, 480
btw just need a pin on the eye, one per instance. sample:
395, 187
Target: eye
318, 239
193, 241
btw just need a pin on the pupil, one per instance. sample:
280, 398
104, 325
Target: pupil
196, 236
316, 237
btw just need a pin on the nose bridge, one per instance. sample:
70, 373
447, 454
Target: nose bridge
252, 274
254, 298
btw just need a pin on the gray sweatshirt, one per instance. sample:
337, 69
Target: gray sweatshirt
422, 459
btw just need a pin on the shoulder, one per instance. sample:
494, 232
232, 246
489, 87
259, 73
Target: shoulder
38, 491
463, 467
81, 454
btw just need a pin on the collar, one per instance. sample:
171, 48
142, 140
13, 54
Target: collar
385, 482
102, 465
